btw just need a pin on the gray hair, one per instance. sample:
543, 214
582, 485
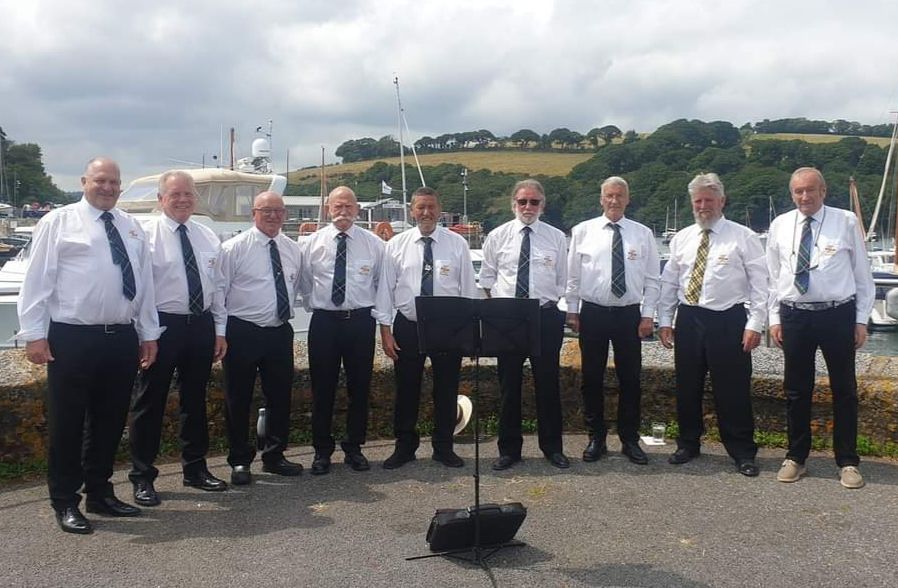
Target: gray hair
528, 183
176, 173
808, 170
709, 182
615, 181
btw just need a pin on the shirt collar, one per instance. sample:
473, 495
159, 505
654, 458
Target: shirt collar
172, 225
261, 237
519, 226
605, 221
434, 235
93, 211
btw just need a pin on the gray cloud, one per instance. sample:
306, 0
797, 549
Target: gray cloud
158, 83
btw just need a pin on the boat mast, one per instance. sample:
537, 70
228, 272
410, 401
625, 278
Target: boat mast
401, 154
885, 175
323, 191
854, 202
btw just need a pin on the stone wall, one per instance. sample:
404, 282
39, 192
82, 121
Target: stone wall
23, 415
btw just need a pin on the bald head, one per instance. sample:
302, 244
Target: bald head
269, 213
102, 183
342, 207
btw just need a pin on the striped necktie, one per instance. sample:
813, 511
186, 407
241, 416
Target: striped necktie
522, 286
280, 286
803, 264
427, 268
694, 288
618, 274
338, 292
120, 256
194, 283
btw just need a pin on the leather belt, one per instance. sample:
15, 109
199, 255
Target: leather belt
345, 315
609, 308
105, 329
815, 306
184, 318
550, 305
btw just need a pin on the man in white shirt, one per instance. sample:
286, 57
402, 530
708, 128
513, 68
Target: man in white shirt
188, 292
261, 269
339, 287
526, 258
427, 260
716, 280
821, 296
613, 268
87, 310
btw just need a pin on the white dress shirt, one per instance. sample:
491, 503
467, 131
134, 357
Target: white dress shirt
589, 265
548, 261
70, 277
170, 274
249, 291
400, 277
364, 256
839, 265
736, 272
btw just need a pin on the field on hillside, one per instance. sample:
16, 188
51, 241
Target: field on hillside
519, 162
881, 141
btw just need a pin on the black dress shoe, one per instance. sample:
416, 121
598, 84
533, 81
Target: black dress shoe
683, 455
71, 520
398, 459
282, 467
240, 475
748, 467
448, 458
321, 465
357, 462
559, 460
110, 506
504, 462
205, 481
594, 450
145, 494
635, 453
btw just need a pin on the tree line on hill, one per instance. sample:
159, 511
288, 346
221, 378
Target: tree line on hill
23, 179
658, 168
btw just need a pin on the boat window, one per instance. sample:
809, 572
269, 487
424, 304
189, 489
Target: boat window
140, 193
245, 194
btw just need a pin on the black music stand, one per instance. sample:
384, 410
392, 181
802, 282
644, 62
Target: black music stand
477, 328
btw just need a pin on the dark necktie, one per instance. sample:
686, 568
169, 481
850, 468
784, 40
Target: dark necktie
120, 256
280, 286
618, 275
338, 293
694, 288
522, 287
194, 283
427, 268
803, 264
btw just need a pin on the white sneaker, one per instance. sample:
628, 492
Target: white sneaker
791, 471
851, 477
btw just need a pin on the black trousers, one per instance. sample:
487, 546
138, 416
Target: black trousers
619, 326
188, 345
88, 393
546, 387
832, 331
711, 341
335, 339
409, 372
268, 352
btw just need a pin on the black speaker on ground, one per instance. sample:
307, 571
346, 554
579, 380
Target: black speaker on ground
454, 528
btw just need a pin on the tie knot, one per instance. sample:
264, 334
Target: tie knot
526, 230
106, 216
427, 240
342, 236
808, 220
615, 227
272, 244
182, 229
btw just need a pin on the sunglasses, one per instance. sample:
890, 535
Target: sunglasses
530, 201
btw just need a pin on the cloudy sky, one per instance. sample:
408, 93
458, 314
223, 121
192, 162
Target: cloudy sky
152, 84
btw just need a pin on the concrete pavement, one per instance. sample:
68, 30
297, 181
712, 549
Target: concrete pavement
609, 523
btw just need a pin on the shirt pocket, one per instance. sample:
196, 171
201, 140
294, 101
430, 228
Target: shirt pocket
362, 271
206, 262
445, 271
542, 261
826, 252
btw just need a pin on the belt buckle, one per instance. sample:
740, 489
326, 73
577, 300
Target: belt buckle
109, 329
344, 315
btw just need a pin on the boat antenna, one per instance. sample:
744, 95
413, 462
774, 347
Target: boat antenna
323, 194
885, 175
401, 154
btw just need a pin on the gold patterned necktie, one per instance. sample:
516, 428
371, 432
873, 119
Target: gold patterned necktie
694, 288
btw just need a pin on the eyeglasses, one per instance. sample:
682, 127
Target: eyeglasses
271, 211
530, 201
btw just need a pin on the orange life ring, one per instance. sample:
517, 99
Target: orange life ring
384, 230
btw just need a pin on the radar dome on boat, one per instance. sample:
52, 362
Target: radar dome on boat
261, 148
